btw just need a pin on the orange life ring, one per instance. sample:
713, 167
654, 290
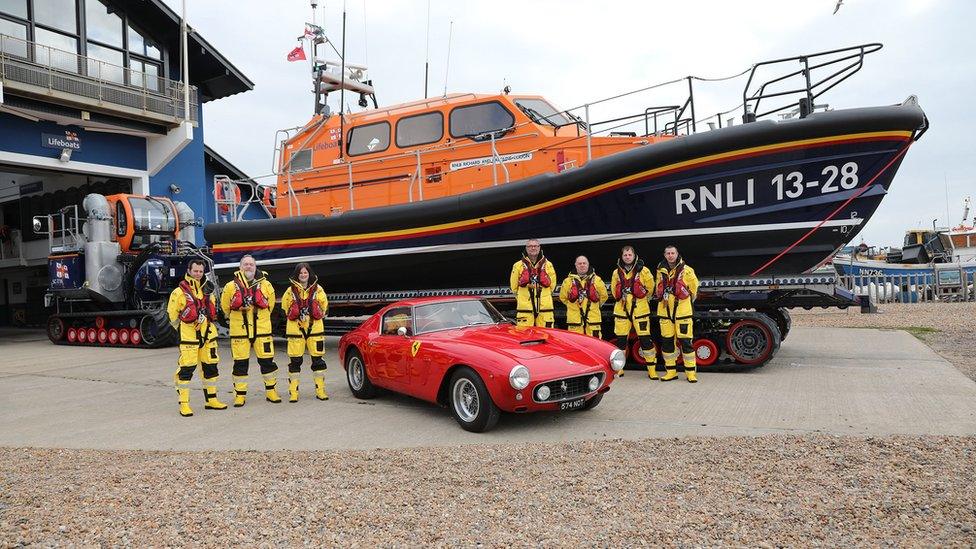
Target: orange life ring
220, 196
269, 200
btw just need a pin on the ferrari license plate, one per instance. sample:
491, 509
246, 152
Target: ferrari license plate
572, 404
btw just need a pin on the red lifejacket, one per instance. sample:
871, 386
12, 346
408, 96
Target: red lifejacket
675, 286
630, 285
245, 294
309, 305
534, 273
195, 307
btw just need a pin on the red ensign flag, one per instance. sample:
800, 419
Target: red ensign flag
297, 54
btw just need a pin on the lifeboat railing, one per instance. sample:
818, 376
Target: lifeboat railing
844, 62
415, 179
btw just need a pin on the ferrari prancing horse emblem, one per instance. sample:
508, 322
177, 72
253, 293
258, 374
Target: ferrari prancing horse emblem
415, 348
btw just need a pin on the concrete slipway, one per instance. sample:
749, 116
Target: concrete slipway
837, 381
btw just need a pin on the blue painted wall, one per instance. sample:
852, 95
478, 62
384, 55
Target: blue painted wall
253, 212
186, 170
19, 135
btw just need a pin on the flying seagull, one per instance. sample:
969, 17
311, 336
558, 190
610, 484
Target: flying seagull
837, 7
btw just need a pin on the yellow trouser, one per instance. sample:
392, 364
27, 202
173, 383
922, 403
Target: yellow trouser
544, 320
680, 330
641, 325
591, 330
297, 345
193, 354
240, 347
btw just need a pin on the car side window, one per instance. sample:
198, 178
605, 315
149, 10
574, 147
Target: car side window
396, 318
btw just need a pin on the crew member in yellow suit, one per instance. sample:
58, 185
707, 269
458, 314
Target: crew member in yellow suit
305, 304
583, 292
247, 303
676, 289
532, 280
631, 283
192, 311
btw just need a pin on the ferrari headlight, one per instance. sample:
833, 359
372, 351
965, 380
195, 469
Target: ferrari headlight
618, 359
543, 393
519, 377
594, 383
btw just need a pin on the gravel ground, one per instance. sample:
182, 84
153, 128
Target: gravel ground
766, 491
954, 323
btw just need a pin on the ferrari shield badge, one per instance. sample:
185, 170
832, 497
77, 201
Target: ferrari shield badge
415, 348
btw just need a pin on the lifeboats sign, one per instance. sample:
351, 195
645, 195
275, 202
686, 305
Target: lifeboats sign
69, 140
489, 160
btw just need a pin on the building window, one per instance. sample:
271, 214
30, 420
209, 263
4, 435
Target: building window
110, 67
475, 120
57, 14
420, 130
102, 24
62, 56
17, 8
144, 74
18, 44
372, 138
140, 45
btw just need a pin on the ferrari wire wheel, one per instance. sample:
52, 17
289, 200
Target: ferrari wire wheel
465, 399
356, 374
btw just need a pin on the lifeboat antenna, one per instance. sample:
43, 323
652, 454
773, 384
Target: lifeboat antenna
447, 69
427, 52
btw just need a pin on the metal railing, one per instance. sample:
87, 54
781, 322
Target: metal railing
844, 62
944, 285
37, 69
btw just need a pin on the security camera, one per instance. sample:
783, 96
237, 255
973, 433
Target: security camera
175, 189
65, 155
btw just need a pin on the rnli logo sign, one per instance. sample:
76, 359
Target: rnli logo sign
61, 270
68, 140
415, 348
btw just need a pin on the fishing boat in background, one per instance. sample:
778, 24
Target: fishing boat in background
443, 192
923, 253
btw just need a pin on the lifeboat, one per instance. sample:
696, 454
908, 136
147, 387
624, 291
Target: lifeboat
443, 193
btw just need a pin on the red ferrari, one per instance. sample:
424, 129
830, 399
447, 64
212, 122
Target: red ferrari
463, 354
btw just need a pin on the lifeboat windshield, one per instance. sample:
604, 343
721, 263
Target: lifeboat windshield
152, 221
541, 112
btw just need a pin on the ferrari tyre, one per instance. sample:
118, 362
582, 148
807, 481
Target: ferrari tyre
470, 402
592, 403
359, 383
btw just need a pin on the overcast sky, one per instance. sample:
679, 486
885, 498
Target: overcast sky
574, 52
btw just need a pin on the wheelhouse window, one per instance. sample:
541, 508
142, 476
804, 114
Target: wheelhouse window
18, 44
397, 318
483, 118
541, 112
301, 161
371, 138
420, 129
